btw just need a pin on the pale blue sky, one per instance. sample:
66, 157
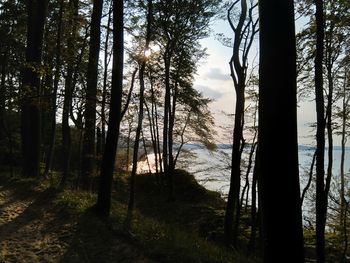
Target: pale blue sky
214, 81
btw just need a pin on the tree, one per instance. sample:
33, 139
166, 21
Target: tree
89, 149
50, 151
107, 167
69, 87
277, 124
180, 24
244, 31
30, 110
321, 198
140, 113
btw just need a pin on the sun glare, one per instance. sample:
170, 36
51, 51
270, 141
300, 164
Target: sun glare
148, 52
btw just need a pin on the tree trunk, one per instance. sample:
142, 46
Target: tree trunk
231, 232
104, 89
108, 161
51, 147
68, 92
343, 203
253, 210
167, 60
277, 125
321, 199
3, 95
140, 118
244, 34
88, 152
30, 109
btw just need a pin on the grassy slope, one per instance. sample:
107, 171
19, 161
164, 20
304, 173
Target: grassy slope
187, 230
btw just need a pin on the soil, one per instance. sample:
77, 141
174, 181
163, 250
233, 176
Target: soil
35, 229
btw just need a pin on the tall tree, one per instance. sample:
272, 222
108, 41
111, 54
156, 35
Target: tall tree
244, 33
69, 87
106, 61
107, 167
277, 124
53, 96
180, 24
321, 199
140, 113
89, 149
30, 99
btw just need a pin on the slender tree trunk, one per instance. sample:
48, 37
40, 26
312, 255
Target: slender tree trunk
128, 149
68, 92
277, 124
50, 151
343, 259
153, 139
245, 190
231, 232
171, 139
321, 202
244, 34
343, 203
30, 109
146, 152
103, 204
253, 210
156, 131
140, 118
167, 59
88, 153
105, 74
3, 95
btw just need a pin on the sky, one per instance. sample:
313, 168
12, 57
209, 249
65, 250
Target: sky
214, 81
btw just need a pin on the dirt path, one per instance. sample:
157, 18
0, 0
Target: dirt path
33, 229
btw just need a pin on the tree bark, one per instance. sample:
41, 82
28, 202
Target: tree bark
321, 199
108, 161
278, 134
140, 118
88, 152
30, 92
105, 74
238, 67
58, 63
68, 92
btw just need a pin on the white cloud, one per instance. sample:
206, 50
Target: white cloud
209, 92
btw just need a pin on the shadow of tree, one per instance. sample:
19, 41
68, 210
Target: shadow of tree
94, 241
31, 212
40, 230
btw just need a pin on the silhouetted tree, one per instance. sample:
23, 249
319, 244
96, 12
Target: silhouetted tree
278, 134
244, 31
321, 196
30, 99
58, 59
108, 160
73, 6
89, 149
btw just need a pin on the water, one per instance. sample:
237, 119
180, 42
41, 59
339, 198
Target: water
212, 168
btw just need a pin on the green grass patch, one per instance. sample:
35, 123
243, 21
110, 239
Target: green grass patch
188, 229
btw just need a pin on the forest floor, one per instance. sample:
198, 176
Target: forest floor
33, 228
39, 223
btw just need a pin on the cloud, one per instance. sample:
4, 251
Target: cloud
217, 74
209, 92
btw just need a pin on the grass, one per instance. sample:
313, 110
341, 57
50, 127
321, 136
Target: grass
188, 229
